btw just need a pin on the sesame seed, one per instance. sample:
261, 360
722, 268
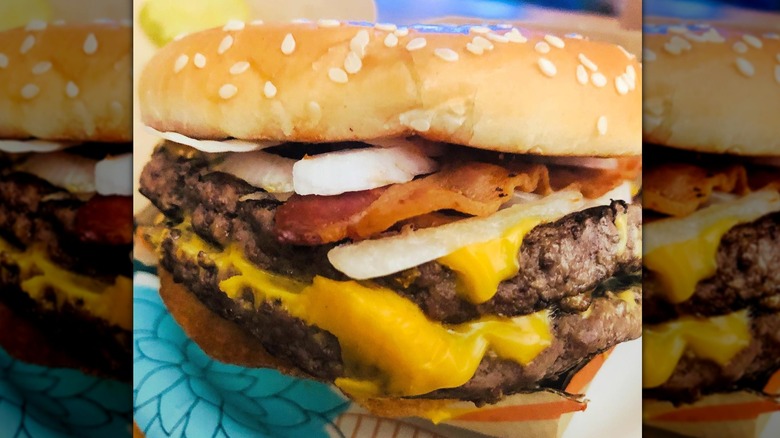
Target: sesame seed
90, 44
391, 40
475, 49
227, 91
555, 41
200, 60
582, 74
745, 67
3, 60
225, 45
542, 47
740, 47
598, 79
574, 36
777, 73
712, 35
315, 108
480, 29
36, 25
359, 43
27, 44
621, 85
601, 125
631, 72
482, 42
297, 21
387, 27
328, 23
402, 32
547, 67
515, 36
448, 55
257, 22
648, 55
288, 44
628, 54
696, 37
416, 44
30, 90
420, 125
497, 38
338, 75
41, 68
234, 25
587, 62
269, 90
772, 36
678, 29
239, 67
352, 64
71, 89
753, 41
181, 62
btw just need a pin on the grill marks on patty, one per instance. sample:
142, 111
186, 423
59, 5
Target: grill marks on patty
34, 212
577, 337
570, 257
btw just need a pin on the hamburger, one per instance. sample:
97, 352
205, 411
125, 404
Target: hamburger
420, 215
65, 195
712, 243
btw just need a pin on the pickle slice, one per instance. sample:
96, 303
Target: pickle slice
163, 20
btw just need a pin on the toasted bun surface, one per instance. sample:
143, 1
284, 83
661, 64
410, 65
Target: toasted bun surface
286, 82
719, 96
38, 63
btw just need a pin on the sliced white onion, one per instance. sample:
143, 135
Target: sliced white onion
269, 172
721, 198
746, 209
25, 146
355, 170
114, 176
623, 192
380, 257
74, 173
214, 146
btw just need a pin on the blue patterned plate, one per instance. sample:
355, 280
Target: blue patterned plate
180, 391
40, 402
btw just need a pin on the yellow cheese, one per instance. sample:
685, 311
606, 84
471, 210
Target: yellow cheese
621, 223
39, 275
717, 338
482, 266
681, 266
389, 346
682, 251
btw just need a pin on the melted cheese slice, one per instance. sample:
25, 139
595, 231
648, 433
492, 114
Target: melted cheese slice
718, 339
39, 275
682, 251
389, 347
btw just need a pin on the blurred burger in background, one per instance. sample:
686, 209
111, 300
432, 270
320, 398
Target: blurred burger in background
712, 227
65, 192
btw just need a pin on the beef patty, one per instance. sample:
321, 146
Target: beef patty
577, 336
562, 261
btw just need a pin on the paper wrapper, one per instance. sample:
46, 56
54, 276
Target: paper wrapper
540, 414
738, 414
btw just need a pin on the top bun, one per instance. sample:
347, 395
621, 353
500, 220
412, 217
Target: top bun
494, 88
712, 89
66, 82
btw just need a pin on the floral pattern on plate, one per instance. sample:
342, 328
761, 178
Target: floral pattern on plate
180, 391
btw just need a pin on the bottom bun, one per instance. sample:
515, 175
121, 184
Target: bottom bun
742, 414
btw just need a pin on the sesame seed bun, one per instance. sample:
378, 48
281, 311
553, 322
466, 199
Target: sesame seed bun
307, 82
721, 95
66, 82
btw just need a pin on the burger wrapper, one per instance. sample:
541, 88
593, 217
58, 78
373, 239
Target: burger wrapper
538, 414
736, 414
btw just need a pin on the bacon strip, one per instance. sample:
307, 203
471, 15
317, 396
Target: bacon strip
681, 189
106, 220
470, 188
